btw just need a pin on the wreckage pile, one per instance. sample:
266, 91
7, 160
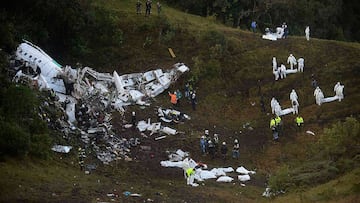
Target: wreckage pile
86, 98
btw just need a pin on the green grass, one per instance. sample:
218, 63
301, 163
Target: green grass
225, 98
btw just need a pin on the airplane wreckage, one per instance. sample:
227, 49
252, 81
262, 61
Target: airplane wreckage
87, 98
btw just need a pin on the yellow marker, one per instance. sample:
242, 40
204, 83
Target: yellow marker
171, 53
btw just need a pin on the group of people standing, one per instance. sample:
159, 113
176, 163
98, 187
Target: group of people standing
210, 146
190, 95
280, 72
147, 7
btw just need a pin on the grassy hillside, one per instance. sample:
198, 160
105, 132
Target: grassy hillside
230, 69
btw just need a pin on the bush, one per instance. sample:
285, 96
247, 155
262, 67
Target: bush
14, 141
280, 181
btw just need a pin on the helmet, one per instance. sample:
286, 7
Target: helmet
236, 141
209, 141
206, 132
133, 113
224, 143
203, 137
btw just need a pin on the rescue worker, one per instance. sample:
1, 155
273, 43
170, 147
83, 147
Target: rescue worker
293, 95
211, 147
203, 145
193, 100
148, 8
301, 64
178, 97
292, 61
307, 33
187, 90
173, 98
274, 129
81, 156
236, 148
295, 105
190, 175
216, 142
299, 122
158, 5
282, 71
339, 92
274, 64
278, 124
138, 7
223, 150
133, 118
276, 73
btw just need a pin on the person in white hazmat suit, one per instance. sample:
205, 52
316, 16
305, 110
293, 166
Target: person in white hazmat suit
318, 95
292, 61
276, 73
274, 64
282, 71
277, 109
307, 33
273, 103
293, 95
295, 106
301, 64
338, 89
190, 173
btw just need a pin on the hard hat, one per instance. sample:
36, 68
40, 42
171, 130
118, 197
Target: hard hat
209, 141
207, 132
236, 141
203, 137
133, 113
224, 143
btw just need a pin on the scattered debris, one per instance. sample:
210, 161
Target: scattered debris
310, 132
86, 98
61, 149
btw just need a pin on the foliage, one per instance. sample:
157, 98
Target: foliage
281, 180
328, 18
22, 132
335, 153
13, 139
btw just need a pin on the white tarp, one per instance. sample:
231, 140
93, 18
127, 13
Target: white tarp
225, 179
243, 170
243, 178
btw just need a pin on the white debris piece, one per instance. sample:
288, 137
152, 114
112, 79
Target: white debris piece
178, 164
243, 170
310, 132
267, 192
243, 178
61, 148
225, 179
70, 112
273, 36
36, 58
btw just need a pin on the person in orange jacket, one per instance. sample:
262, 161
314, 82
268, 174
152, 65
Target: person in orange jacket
173, 98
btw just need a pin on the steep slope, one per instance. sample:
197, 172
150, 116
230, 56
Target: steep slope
230, 69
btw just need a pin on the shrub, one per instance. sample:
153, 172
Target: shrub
14, 141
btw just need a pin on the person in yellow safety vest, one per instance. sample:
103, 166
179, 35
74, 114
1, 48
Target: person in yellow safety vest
190, 173
173, 98
278, 124
299, 122
274, 129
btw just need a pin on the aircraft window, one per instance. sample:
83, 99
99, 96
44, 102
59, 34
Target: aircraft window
30, 56
39, 61
20, 51
35, 59
25, 54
